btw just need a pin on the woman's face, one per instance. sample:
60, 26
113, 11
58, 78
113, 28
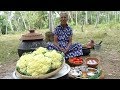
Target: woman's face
63, 18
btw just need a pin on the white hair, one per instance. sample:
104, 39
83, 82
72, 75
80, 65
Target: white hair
65, 13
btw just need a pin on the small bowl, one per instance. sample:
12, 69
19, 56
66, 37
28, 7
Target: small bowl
75, 73
91, 71
97, 47
92, 62
76, 61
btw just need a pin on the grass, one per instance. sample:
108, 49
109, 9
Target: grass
9, 43
8, 46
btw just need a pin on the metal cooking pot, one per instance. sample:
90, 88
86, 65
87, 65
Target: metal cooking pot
86, 51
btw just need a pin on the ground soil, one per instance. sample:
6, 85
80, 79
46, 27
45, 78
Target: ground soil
110, 66
7, 69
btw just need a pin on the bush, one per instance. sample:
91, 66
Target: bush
3, 30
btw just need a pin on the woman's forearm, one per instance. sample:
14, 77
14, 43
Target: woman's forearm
70, 42
68, 45
56, 41
56, 44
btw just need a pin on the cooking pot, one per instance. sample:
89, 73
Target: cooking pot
86, 51
30, 41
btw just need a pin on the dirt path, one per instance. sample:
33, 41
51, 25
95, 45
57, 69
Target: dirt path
6, 70
110, 65
110, 62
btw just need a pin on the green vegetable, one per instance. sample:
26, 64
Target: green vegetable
97, 75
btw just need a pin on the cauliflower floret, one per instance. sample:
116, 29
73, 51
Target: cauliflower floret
39, 66
56, 65
23, 61
56, 58
40, 50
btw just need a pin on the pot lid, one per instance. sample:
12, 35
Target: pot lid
32, 35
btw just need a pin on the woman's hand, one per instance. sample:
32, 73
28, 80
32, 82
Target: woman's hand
66, 50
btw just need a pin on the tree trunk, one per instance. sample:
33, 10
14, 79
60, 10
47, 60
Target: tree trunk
115, 16
82, 24
86, 17
6, 29
76, 19
50, 21
91, 17
108, 18
70, 16
23, 20
119, 16
97, 20
82, 20
11, 25
10, 18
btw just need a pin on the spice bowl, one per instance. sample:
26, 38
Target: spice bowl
92, 62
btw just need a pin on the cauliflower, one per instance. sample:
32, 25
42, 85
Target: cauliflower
23, 62
56, 58
39, 62
56, 65
38, 67
40, 50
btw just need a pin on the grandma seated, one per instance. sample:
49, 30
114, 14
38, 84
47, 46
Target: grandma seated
63, 39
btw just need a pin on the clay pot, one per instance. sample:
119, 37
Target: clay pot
90, 44
30, 41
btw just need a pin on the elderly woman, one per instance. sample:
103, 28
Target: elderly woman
63, 39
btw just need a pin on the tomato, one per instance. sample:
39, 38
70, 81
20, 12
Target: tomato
80, 61
74, 59
80, 58
77, 59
